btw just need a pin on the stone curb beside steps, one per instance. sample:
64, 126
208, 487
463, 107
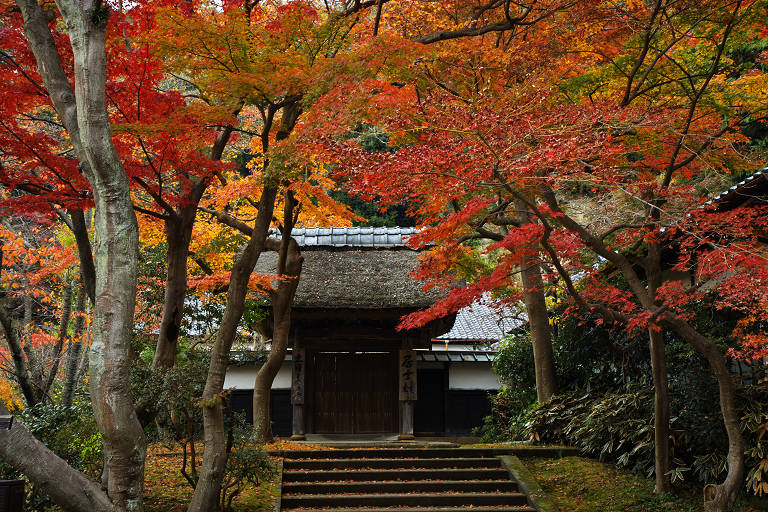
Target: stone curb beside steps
528, 484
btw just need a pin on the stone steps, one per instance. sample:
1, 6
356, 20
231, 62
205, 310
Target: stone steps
376, 487
392, 453
387, 463
398, 480
325, 501
468, 508
379, 475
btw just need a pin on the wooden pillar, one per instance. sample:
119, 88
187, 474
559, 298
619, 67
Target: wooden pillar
297, 393
408, 392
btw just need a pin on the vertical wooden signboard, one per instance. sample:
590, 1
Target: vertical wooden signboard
407, 365
297, 392
299, 376
408, 392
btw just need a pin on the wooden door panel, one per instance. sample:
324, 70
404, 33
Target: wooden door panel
353, 392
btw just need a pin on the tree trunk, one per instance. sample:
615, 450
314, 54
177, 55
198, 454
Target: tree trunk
290, 262
538, 318
541, 334
206, 496
66, 314
72, 364
69, 488
34, 366
85, 252
19, 361
660, 410
116, 260
86, 118
652, 265
722, 497
178, 230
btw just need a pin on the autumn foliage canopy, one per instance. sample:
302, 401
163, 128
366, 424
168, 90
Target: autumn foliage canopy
586, 138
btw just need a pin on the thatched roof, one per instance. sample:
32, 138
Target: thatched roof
356, 278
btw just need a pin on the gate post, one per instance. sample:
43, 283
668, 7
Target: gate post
408, 392
297, 393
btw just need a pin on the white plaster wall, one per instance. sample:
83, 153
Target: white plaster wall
242, 377
472, 376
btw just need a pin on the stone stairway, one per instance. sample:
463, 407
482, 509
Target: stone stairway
399, 480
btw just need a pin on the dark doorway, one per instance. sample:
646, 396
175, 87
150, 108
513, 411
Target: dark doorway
280, 410
352, 392
429, 413
466, 410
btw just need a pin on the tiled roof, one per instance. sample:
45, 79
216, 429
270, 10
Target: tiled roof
351, 237
454, 356
752, 186
481, 322
245, 357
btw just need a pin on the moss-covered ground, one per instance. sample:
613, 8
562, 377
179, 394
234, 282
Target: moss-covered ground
578, 484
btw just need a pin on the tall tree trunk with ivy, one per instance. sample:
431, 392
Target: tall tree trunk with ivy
84, 114
288, 265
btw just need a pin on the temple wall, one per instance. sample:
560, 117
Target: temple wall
472, 376
242, 377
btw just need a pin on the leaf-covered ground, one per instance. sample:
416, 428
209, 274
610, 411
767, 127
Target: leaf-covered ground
578, 484
166, 490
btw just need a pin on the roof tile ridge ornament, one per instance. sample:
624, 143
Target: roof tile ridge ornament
351, 236
760, 173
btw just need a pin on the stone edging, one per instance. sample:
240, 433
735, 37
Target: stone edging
277, 502
528, 484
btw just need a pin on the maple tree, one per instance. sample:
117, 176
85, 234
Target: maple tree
568, 143
153, 151
164, 100
39, 282
586, 144
276, 60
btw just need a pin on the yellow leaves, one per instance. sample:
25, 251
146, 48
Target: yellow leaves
318, 208
151, 230
748, 92
552, 302
33, 265
260, 283
236, 190
9, 395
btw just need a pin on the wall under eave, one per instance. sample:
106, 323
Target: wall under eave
466, 375
242, 377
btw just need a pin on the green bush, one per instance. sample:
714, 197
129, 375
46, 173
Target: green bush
247, 463
586, 356
71, 433
617, 426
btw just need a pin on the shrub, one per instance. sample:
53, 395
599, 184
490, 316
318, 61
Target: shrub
514, 366
71, 433
247, 463
617, 426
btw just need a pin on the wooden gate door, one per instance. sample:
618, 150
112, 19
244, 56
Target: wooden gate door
352, 393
